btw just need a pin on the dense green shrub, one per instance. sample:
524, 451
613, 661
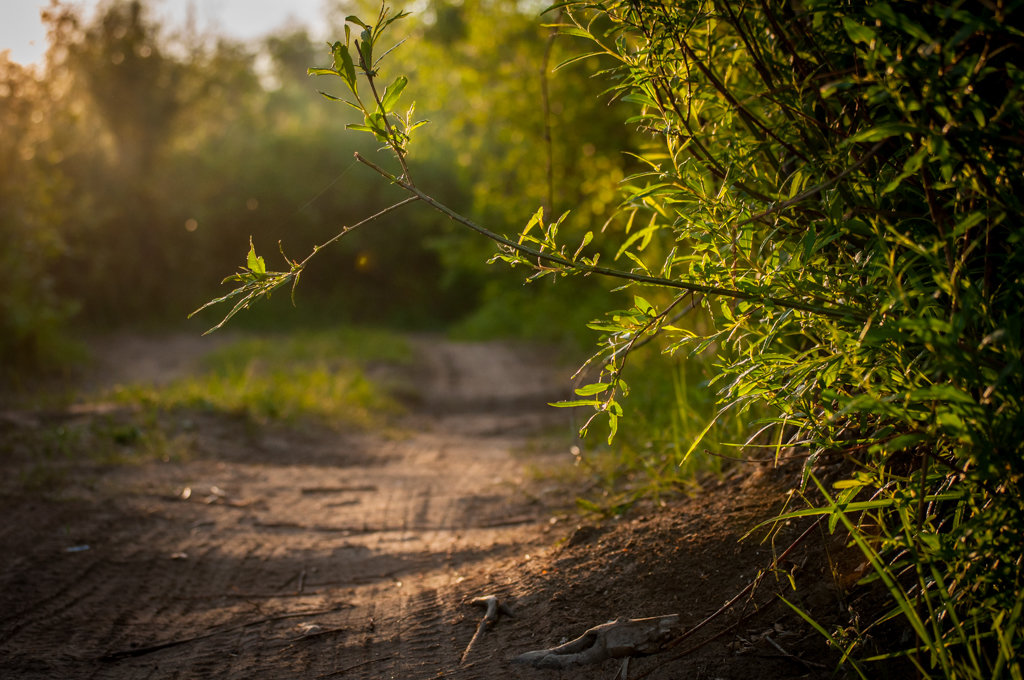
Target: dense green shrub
847, 175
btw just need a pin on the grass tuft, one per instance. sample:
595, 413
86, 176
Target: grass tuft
319, 375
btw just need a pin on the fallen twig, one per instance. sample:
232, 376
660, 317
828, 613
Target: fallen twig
626, 638
311, 490
809, 665
314, 527
750, 586
314, 632
494, 611
243, 595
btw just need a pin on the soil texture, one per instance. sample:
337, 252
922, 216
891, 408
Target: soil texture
284, 552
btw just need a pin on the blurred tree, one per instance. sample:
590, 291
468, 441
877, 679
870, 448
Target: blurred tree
142, 160
120, 100
135, 88
32, 205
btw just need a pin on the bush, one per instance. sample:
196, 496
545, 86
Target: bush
842, 175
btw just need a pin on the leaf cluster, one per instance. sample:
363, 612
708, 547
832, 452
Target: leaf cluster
379, 115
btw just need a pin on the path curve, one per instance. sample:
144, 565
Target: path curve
247, 560
281, 553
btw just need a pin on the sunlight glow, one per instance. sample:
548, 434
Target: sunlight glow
23, 35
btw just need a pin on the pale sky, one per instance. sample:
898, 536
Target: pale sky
23, 34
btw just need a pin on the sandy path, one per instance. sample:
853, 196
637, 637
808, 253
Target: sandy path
277, 553
306, 553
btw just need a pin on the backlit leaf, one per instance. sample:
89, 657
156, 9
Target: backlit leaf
254, 262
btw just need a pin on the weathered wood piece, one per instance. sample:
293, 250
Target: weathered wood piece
494, 610
617, 639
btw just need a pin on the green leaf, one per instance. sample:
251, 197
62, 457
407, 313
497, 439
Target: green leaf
587, 238
576, 402
622, 386
392, 92
605, 327
321, 72
417, 124
697, 440
857, 32
638, 261
644, 235
850, 484
254, 262
880, 132
376, 131
376, 121
593, 388
967, 222
365, 47
343, 65
910, 167
537, 218
589, 506
640, 98
613, 427
573, 30
578, 57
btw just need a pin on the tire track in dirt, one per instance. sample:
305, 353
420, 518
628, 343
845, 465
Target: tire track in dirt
310, 554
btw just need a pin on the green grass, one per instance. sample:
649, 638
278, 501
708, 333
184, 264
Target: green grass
289, 378
49, 458
317, 374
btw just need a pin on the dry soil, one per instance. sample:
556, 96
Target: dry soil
277, 552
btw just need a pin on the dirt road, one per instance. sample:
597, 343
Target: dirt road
276, 553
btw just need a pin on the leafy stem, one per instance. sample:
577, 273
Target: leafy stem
836, 311
257, 282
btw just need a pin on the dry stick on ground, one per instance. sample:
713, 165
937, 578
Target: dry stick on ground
809, 665
353, 667
494, 611
350, 488
311, 636
753, 584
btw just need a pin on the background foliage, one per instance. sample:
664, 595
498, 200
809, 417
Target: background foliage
138, 161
